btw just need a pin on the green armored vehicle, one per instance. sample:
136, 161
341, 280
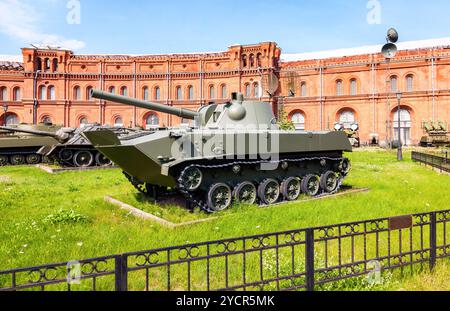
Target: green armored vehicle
232, 152
437, 135
69, 147
18, 148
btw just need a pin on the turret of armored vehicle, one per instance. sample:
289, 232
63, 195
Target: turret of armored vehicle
17, 147
68, 147
232, 152
437, 135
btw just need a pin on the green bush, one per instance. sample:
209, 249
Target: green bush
65, 217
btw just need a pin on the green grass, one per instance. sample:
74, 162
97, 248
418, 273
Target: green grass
50, 218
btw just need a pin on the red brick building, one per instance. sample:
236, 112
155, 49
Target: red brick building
315, 90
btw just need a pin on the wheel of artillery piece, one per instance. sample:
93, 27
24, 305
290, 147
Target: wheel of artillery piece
192, 178
17, 159
83, 158
219, 197
65, 155
291, 188
329, 181
345, 166
245, 193
269, 191
33, 159
310, 185
3, 160
101, 160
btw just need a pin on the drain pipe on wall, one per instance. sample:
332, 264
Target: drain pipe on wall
35, 101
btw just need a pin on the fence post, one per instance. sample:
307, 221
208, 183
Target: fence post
433, 240
309, 254
121, 273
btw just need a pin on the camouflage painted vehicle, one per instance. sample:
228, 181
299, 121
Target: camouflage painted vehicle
232, 153
69, 147
18, 148
351, 132
437, 135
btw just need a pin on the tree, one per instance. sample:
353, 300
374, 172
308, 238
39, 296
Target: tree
284, 122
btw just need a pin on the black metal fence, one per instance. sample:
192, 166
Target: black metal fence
301, 259
440, 163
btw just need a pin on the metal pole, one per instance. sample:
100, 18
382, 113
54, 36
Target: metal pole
399, 150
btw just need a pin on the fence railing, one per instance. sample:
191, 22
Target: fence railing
301, 259
440, 163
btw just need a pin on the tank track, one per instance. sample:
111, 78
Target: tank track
25, 154
194, 200
142, 187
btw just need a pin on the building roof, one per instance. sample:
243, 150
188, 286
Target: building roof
369, 49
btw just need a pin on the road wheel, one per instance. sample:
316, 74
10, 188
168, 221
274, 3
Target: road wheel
310, 185
101, 160
17, 159
291, 188
65, 155
245, 193
329, 181
269, 191
219, 197
3, 160
33, 159
345, 166
83, 158
192, 178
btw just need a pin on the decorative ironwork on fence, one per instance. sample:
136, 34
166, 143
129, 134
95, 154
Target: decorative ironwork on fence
440, 163
301, 259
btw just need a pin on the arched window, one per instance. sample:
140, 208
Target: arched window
11, 119
191, 92
51, 95
124, 91
112, 90
409, 83
88, 93
223, 91
339, 87
299, 121
157, 95
84, 120
303, 89
405, 126
77, 93
252, 60
47, 64
118, 121
38, 63
46, 120
42, 92
394, 84
145, 93
353, 87
258, 59
212, 92
17, 94
244, 60
152, 120
347, 118
178, 93
247, 90
255, 89
55, 64
3, 93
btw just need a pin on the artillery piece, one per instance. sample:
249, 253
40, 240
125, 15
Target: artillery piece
68, 147
19, 146
437, 135
233, 152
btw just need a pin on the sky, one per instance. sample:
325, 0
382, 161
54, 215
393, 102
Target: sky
177, 26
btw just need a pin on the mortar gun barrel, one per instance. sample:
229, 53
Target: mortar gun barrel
34, 132
180, 112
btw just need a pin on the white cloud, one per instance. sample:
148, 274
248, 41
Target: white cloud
20, 21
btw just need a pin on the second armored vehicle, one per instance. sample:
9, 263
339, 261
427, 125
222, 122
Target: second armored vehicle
437, 135
351, 132
17, 147
232, 153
